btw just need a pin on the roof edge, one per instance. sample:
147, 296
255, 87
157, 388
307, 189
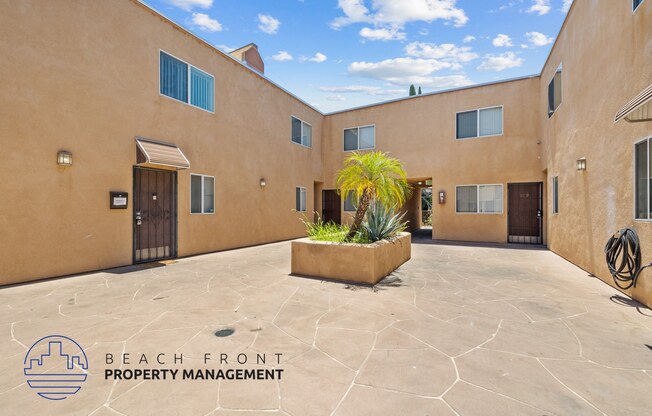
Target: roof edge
467, 87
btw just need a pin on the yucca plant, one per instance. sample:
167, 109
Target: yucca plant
382, 223
372, 176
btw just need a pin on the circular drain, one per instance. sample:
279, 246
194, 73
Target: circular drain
224, 332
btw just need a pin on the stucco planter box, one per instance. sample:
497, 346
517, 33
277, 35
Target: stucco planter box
361, 263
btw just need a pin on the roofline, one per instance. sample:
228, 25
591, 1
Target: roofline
561, 29
224, 54
467, 87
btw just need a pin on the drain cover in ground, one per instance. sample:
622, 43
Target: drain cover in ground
224, 332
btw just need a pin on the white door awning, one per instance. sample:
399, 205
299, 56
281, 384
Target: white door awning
638, 109
160, 154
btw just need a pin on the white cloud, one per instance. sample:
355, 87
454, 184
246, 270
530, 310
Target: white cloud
384, 34
388, 12
362, 89
502, 41
538, 39
335, 97
540, 7
319, 58
447, 52
268, 24
188, 5
226, 48
206, 23
282, 56
468, 38
500, 62
566, 6
406, 71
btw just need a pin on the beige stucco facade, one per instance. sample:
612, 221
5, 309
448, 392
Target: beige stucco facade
82, 76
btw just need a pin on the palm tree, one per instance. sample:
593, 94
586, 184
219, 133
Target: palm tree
372, 176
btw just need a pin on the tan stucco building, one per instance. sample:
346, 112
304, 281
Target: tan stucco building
170, 159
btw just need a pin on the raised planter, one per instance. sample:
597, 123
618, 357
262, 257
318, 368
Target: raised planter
350, 262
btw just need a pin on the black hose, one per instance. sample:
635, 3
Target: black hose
625, 246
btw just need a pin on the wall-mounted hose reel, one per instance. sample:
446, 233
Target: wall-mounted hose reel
623, 254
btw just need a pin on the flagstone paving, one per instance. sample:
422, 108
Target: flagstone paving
458, 330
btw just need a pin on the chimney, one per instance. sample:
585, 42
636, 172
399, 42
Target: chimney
249, 55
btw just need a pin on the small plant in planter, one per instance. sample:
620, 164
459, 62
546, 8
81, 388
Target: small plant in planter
380, 185
373, 177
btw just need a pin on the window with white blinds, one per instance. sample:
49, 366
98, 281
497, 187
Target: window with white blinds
479, 199
300, 203
479, 123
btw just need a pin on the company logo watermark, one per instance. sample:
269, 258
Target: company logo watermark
55, 367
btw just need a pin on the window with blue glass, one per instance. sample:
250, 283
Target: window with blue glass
186, 83
636, 3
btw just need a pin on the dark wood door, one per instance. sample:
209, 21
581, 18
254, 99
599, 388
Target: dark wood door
525, 212
155, 214
331, 206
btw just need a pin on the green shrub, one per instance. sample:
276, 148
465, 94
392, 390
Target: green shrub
382, 223
329, 231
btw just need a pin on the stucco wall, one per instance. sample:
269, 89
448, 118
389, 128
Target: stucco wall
83, 76
606, 52
420, 132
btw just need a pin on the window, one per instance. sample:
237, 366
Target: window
186, 83
554, 92
301, 132
479, 199
202, 194
643, 180
636, 3
555, 195
350, 203
478, 123
360, 138
300, 199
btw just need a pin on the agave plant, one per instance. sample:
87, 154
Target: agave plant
382, 223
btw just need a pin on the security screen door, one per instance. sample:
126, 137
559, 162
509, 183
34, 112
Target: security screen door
525, 212
331, 209
155, 214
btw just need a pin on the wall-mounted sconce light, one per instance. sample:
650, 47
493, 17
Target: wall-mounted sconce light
442, 197
581, 164
64, 158
263, 183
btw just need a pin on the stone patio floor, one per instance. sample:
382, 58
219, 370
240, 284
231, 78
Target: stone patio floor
458, 330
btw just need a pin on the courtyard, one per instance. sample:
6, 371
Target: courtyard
458, 330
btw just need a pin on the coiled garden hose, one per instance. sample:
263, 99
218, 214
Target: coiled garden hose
623, 253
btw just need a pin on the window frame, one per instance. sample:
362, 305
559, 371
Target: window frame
555, 195
649, 186
302, 193
202, 194
477, 121
344, 203
477, 190
358, 147
560, 70
302, 123
190, 66
634, 8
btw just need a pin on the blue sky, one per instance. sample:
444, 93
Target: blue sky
337, 54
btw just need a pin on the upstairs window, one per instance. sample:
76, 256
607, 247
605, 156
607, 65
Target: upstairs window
555, 195
554, 92
186, 83
479, 123
360, 138
479, 199
301, 132
643, 180
300, 204
636, 3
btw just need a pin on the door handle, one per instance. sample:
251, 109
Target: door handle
139, 219
539, 213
